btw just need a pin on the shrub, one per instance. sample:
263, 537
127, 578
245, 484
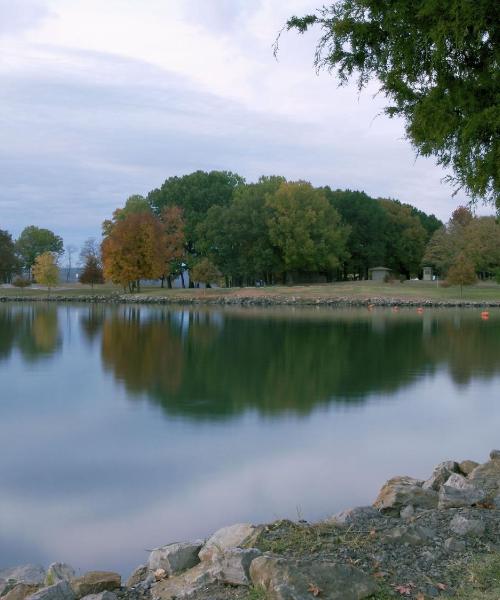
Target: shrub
21, 282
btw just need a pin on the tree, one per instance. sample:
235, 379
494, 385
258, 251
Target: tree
481, 240
92, 271
195, 194
305, 229
90, 248
437, 63
405, 238
204, 271
134, 250
34, 241
45, 270
175, 238
8, 260
462, 272
367, 220
134, 204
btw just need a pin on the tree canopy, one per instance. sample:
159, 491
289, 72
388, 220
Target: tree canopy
437, 63
34, 241
8, 258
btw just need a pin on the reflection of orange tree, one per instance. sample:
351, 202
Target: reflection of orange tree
145, 354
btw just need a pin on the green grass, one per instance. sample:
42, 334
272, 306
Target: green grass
481, 580
256, 593
357, 290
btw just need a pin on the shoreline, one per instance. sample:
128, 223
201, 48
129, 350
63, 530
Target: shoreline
420, 539
266, 301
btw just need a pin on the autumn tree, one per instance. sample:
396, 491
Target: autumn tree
173, 226
92, 272
305, 229
204, 271
133, 205
134, 249
8, 260
45, 270
461, 272
34, 241
436, 63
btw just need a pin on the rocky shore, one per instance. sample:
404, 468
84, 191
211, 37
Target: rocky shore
420, 539
254, 300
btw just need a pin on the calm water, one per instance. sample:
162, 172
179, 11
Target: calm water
125, 428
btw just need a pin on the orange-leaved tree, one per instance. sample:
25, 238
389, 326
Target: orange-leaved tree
45, 270
175, 241
134, 249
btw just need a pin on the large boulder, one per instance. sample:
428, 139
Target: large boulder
59, 572
440, 474
458, 492
95, 582
402, 491
301, 580
138, 575
185, 584
467, 466
59, 591
463, 526
20, 591
485, 477
31, 574
233, 566
241, 535
175, 558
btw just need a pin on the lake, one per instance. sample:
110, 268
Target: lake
127, 427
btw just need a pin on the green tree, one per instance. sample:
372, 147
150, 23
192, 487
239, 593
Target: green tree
195, 194
461, 272
405, 238
305, 229
367, 220
482, 244
437, 63
8, 260
45, 270
204, 271
34, 241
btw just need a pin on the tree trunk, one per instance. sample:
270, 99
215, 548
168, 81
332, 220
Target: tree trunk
169, 282
182, 279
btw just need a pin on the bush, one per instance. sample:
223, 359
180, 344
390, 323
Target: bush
21, 282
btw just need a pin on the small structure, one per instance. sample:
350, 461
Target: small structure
427, 273
379, 273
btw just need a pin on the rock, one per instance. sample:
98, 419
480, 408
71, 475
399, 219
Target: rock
59, 572
32, 574
175, 558
20, 591
495, 454
300, 580
59, 591
407, 512
410, 536
101, 596
139, 574
95, 582
467, 466
235, 536
160, 574
454, 545
458, 492
463, 526
185, 584
349, 516
485, 477
233, 566
440, 474
399, 492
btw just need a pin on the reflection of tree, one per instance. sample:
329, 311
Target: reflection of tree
92, 320
34, 330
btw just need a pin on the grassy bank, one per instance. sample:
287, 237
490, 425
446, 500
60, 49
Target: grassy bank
359, 290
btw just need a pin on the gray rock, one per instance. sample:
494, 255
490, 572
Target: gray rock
59, 591
31, 574
20, 591
298, 580
440, 474
459, 492
95, 582
485, 477
467, 466
460, 525
185, 584
409, 536
351, 515
101, 596
495, 454
233, 566
399, 492
407, 512
454, 545
240, 535
138, 575
59, 572
175, 558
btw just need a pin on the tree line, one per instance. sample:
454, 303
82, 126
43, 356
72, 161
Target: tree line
221, 229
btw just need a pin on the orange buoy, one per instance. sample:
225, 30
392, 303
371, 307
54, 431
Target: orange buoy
395, 308
370, 307
485, 315
420, 310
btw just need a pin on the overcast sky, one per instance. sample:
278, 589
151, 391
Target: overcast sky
101, 100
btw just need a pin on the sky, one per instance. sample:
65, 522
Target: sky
102, 100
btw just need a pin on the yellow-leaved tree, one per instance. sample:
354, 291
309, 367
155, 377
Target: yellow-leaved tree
45, 270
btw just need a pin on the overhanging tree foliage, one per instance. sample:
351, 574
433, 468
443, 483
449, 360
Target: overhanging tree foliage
437, 62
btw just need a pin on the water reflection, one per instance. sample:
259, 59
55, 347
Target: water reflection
211, 364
